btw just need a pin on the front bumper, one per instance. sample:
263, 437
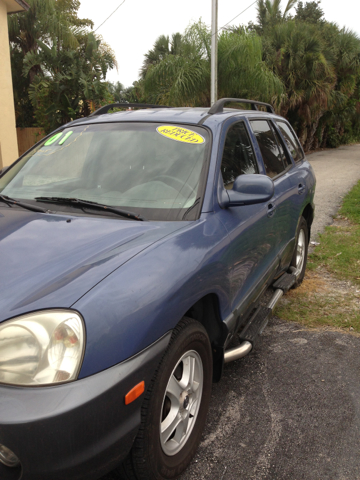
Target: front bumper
79, 430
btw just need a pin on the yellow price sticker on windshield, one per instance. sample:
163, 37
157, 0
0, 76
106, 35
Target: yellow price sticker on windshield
180, 134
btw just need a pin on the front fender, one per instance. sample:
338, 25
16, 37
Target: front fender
147, 296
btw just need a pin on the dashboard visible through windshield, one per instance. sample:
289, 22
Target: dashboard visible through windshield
155, 170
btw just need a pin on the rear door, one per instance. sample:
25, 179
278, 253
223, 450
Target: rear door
299, 175
283, 207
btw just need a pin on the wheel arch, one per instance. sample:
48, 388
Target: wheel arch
207, 312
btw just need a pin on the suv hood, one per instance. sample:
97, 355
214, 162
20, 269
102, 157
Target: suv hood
50, 261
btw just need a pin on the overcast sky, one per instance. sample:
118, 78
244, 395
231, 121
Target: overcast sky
133, 28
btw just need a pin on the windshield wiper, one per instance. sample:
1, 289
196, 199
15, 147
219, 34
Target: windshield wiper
192, 206
87, 203
11, 201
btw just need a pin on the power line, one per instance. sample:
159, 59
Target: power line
226, 24
117, 8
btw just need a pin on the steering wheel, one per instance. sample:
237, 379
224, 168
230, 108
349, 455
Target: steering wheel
177, 184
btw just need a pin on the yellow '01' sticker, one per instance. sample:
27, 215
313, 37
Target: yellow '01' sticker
180, 134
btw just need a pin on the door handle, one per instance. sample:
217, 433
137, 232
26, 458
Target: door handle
271, 210
301, 189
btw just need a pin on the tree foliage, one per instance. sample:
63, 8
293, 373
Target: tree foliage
311, 12
59, 67
71, 80
291, 57
162, 47
184, 77
319, 66
269, 13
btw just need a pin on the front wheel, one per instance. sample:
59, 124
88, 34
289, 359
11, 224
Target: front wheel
301, 250
175, 407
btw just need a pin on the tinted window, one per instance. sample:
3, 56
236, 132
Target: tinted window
291, 141
273, 159
285, 158
238, 157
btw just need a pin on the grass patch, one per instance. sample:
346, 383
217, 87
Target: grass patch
351, 205
330, 293
320, 302
339, 252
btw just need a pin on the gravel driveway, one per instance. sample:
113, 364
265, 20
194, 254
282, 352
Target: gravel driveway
291, 409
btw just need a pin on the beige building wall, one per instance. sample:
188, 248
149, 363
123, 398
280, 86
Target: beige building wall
8, 140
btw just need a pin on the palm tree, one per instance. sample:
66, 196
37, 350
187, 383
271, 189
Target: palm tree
184, 79
69, 81
43, 21
299, 55
117, 91
269, 12
162, 47
344, 105
242, 71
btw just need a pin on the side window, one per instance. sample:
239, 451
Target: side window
291, 141
238, 157
273, 158
285, 157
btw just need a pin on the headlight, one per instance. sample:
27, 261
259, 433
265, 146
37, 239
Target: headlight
41, 348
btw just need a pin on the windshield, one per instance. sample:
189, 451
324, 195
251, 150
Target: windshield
155, 170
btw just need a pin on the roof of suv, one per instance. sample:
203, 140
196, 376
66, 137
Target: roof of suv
178, 115
184, 115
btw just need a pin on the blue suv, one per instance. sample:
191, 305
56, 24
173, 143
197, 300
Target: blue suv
135, 249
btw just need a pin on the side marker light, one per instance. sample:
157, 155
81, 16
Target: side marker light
135, 393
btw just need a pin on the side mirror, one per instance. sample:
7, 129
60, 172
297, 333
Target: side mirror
248, 190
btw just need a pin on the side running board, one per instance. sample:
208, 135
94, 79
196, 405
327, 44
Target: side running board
260, 319
285, 282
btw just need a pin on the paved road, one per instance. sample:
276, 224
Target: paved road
291, 409
288, 411
336, 172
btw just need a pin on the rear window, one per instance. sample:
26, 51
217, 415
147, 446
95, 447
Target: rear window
273, 157
291, 141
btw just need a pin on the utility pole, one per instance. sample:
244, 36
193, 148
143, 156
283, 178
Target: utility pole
214, 50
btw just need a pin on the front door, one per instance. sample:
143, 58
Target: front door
251, 256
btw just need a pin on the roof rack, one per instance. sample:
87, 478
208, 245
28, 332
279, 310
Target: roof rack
218, 106
103, 110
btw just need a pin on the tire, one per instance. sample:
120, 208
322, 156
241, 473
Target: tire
180, 389
299, 259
